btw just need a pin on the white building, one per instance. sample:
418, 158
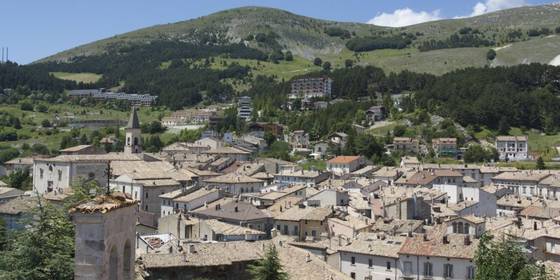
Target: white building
512, 148
372, 256
244, 108
59, 173
344, 164
307, 88
235, 184
304, 177
186, 201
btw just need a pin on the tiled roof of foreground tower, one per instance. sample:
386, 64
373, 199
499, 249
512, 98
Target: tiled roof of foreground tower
104, 204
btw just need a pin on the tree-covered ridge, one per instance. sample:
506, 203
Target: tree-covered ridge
524, 96
13, 75
182, 82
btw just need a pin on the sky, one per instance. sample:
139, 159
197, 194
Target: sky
33, 29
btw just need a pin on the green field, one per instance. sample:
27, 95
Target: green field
86, 78
283, 69
31, 121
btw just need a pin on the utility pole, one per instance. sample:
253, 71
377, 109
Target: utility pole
108, 172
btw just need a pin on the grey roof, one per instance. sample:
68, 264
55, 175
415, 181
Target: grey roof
133, 122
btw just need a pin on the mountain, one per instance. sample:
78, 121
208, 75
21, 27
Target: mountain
307, 38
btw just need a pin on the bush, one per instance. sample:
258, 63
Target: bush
39, 149
26, 106
318, 61
364, 44
491, 54
338, 32
41, 108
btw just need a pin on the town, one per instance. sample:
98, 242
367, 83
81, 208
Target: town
255, 143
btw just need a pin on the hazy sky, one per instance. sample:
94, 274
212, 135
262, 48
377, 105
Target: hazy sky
33, 29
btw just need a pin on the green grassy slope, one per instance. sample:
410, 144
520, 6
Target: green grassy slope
306, 38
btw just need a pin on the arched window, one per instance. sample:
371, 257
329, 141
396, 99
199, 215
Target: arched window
127, 260
113, 264
135, 141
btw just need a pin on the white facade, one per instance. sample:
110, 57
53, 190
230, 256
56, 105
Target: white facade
49, 176
512, 148
435, 268
362, 266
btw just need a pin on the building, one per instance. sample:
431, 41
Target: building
372, 256
309, 178
438, 255
105, 238
100, 94
406, 145
445, 147
80, 150
187, 200
344, 164
298, 139
376, 113
338, 139
303, 222
235, 212
307, 88
132, 99
328, 198
512, 148
244, 108
133, 142
17, 212
234, 183
60, 172
7, 193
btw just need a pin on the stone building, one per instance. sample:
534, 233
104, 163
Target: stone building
133, 143
105, 238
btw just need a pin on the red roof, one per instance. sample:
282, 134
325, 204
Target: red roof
344, 159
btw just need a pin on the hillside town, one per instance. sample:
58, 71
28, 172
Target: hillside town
308, 140
209, 208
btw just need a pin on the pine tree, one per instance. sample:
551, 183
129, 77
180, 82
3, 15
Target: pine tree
269, 268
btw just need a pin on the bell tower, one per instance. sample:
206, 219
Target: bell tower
133, 139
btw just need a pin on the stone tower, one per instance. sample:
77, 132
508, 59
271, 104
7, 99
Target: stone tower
133, 140
105, 238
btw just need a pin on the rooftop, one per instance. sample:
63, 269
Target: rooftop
343, 159
375, 244
196, 194
307, 213
436, 243
231, 209
232, 178
104, 204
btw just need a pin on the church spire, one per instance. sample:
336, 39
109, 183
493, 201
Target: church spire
133, 121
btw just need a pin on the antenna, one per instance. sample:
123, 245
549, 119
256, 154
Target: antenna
7, 59
2, 60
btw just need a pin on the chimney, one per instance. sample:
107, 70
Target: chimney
307, 258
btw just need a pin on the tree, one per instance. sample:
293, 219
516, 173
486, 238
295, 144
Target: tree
42, 251
503, 126
269, 138
289, 56
540, 163
317, 61
327, 66
348, 63
491, 54
26, 106
39, 149
46, 123
3, 235
504, 259
269, 268
20, 179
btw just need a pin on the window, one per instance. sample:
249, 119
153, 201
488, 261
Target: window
428, 269
146, 207
313, 233
448, 270
388, 265
353, 275
41, 171
353, 260
60, 175
470, 272
123, 188
370, 263
407, 268
146, 194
